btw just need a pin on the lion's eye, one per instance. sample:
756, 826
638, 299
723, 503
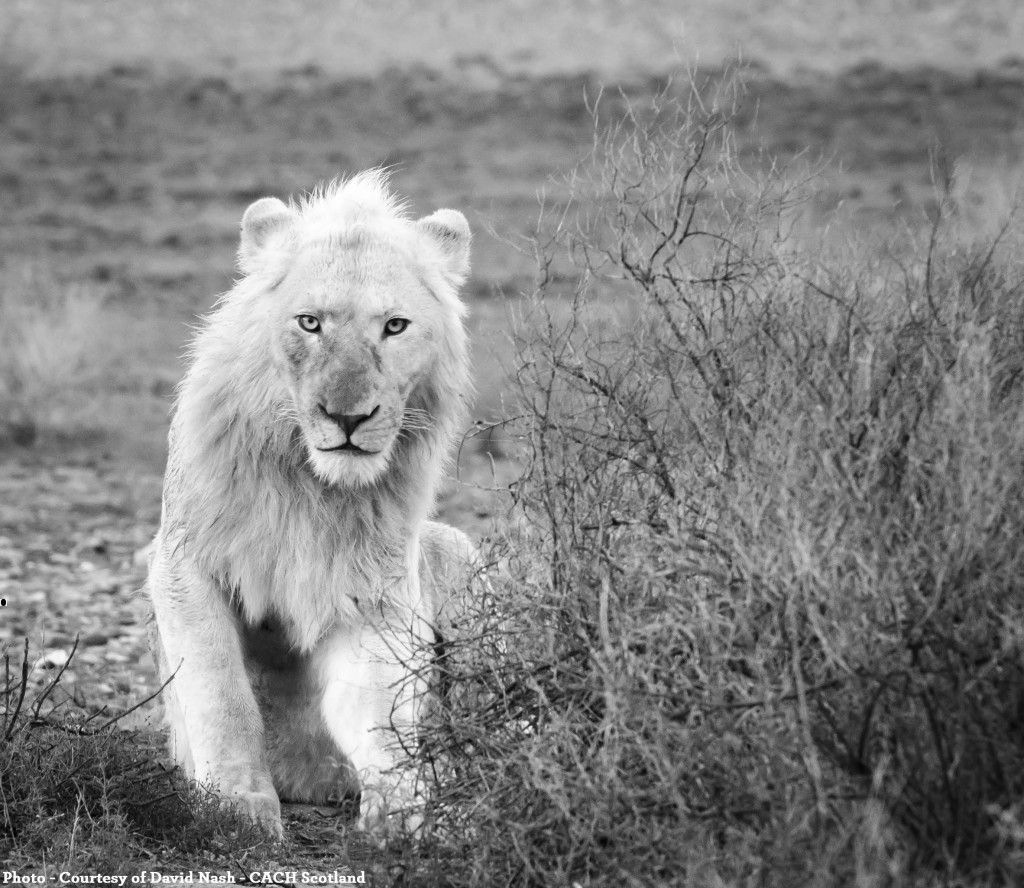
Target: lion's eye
395, 326
308, 323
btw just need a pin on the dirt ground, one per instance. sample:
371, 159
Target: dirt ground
132, 183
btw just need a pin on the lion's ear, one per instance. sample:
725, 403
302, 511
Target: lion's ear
261, 222
449, 230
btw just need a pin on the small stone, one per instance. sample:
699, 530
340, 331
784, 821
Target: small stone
20, 431
52, 659
11, 557
95, 638
59, 639
115, 657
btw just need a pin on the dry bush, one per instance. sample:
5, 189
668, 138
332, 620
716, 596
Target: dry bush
78, 792
760, 618
53, 344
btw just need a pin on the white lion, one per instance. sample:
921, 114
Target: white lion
295, 576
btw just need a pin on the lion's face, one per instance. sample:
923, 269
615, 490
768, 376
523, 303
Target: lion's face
365, 324
355, 336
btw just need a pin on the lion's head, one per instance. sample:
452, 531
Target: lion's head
362, 320
320, 404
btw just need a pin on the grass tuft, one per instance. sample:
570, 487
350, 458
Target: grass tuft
77, 792
53, 350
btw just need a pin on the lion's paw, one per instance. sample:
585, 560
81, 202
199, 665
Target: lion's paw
257, 799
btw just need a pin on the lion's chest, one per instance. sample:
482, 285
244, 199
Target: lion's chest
310, 571
308, 600
260, 525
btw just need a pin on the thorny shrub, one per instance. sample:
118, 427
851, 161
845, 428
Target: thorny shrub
760, 618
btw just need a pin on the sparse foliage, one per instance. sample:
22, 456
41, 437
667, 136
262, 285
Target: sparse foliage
760, 618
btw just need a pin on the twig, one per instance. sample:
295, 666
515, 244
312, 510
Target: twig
772, 701
140, 704
810, 753
83, 731
41, 699
21, 695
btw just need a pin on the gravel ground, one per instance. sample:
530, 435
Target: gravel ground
69, 538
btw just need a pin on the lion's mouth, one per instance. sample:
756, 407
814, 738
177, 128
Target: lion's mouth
348, 447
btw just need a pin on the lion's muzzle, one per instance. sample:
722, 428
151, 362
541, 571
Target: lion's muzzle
347, 423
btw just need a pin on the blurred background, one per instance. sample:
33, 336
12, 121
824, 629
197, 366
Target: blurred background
619, 38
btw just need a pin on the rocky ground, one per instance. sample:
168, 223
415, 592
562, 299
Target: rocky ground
69, 570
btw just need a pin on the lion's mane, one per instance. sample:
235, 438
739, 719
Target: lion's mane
240, 496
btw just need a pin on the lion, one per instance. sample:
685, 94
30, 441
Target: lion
295, 577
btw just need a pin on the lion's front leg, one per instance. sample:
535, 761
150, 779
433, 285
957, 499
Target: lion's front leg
374, 684
215, 722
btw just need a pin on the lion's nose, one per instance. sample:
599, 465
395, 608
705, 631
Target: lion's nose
348, 422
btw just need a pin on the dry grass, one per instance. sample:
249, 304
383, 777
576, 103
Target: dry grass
54, 343
79, 794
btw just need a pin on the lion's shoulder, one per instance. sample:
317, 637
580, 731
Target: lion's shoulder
445, 551
449, 570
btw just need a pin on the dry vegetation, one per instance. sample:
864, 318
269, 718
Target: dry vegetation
81, 794
760, 620
77, 795
51, 350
